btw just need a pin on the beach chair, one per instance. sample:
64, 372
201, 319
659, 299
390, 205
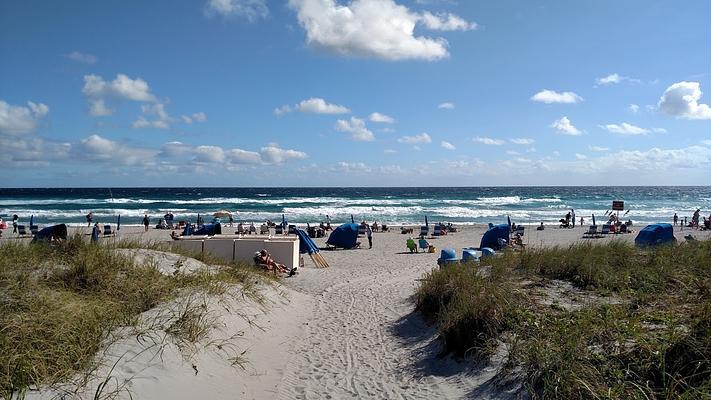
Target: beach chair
424, 230
34, 229
21, 230
438, 231
592, 232
411, 245
107, 230
423, 244
520, 230
605, 229
279, 230
264, 229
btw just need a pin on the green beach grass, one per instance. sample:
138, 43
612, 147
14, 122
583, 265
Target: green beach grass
635, 324
60, 302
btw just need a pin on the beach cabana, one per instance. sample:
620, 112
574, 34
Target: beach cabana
345, 236
56, 232
655, 234
491, 237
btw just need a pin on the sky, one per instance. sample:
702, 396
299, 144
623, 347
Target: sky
354, 93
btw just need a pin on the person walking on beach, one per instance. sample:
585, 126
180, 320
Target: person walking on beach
14, 223
89, 218
572, 214
676, 219
369, 234
146, 221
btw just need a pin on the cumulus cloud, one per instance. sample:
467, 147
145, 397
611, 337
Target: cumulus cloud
84, 58
196, 117
274, 155
633, 108
356, 127
447, 145
564, 126
96, 89
161, 120
489, 141
374, 28
285, 109
625, 129
251, 10
422, 138
97, 148
378, 117
318, 105
551, 96
681, 100
522, 141
446, 106
614, 79
446, 22
20, 119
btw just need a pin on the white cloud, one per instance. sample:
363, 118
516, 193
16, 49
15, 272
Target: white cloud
84, 58
706, 142
96, 89
97, 148
285, 109
356, 127
209, 154
581, 156
196, 117
446, 22
162, 120
523, 141
20, 119
349, 167
564, 126
239, 156
251, 10
625, 129
681, 100
551, 96
610, 79
656, 159
374, 28
659, 130
598, 148
378, 117
422, 138
447, 145
274, 155
633, 108
318, 105
446, 106
489, 141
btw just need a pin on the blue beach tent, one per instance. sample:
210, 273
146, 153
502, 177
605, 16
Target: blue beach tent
56, 232
491, 237
209, 229
345, 236
655, 234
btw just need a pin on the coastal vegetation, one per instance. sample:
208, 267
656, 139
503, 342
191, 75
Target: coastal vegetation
60, 304
584, 321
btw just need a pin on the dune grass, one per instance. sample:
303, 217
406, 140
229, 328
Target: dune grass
60, 302
655, 342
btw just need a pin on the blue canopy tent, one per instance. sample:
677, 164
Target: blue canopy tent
491, 237
209, 229
345, 236
655, 234
56, 232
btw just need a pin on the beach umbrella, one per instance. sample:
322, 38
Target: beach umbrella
508, 217
283, 221
32, 218
222, 213
352, 219
118, 223
426, 223
198, 220
593, 218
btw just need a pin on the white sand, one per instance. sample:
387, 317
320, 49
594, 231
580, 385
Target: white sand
348, 331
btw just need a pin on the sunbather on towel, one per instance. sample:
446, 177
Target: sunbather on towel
265, 260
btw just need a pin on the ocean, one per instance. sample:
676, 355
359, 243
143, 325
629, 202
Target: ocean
459, 205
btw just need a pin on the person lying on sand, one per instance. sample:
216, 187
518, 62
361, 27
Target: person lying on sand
265, 260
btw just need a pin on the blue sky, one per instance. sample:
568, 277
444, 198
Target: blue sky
354, 93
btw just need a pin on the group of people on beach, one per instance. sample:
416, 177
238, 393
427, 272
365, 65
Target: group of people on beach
697, 221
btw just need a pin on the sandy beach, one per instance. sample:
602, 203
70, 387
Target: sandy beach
348, 331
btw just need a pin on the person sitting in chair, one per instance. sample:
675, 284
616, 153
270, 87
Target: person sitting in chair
265, 260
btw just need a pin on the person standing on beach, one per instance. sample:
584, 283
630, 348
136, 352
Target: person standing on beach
676, 218
369, 234
146, 221
89, 218
582, 221
14, 223
95, 233
572, 213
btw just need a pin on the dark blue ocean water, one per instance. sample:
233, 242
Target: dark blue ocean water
528, 205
